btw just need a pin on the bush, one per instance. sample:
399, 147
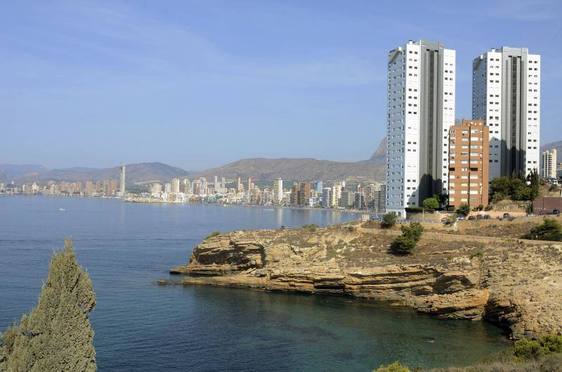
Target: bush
403, 245
534, 349
310, 227
431, 203
463, 210
413, 231
406, 243
393, 367
527, 349
212, 235
550, 229
389, 220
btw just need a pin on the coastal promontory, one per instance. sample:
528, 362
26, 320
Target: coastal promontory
461, 274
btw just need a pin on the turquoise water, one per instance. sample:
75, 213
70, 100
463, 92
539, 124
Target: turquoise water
144, 327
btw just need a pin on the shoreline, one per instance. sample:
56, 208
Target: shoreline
453, 276
156, 201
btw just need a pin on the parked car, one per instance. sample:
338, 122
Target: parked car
471, 218
556, 212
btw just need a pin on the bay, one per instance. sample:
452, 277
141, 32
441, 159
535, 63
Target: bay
140, 326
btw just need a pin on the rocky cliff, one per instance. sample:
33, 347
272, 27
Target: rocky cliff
516, 284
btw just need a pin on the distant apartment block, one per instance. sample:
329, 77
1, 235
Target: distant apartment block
278, 191
548, 164
421, 109
506, 95
300, 194
469, 163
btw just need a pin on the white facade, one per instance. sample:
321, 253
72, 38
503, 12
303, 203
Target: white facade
421, 109
278, 191
122, 190
175, 187
548, 169
506, 95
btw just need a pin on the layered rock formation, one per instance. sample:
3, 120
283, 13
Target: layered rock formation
517, 284
56, 335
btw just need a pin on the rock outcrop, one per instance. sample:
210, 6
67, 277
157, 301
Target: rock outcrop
516, 284
56, 335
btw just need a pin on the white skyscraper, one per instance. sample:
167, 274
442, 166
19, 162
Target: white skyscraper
175, 187
506, 95
548, 169
122, 190
421, 109
278, 191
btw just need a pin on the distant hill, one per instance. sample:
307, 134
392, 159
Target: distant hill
305, 169
259, 169
554, 145
9, 172
299, 169
136, 173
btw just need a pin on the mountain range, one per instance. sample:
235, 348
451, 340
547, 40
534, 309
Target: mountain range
261, 169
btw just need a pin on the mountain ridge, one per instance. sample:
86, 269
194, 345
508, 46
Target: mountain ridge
263, 169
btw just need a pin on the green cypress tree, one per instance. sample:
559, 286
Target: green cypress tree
56, 335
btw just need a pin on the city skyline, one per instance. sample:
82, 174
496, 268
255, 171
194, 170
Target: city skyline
114, 83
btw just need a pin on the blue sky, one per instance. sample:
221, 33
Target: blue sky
201, 83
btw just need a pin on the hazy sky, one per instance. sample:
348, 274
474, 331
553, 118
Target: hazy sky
201, 83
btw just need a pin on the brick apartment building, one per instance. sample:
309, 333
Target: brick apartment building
469, 163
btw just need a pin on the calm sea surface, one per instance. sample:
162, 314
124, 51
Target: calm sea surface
140, 326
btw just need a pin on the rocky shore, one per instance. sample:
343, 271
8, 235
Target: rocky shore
516, 284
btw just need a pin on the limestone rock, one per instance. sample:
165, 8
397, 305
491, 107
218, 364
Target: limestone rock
516, 284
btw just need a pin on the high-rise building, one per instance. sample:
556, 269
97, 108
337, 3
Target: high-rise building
186, 186
506, 95
327, 197
122, 189
469, 148
319, 186
347, 199
421, 109
175, 186
548, 164
304, 194
239, 185
278, 191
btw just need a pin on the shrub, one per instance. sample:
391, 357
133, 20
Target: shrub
414, 231
393, 367
534, 349
213, 234
402, 245
527, 349
463, 210
550, 229
310, 227
406, 243
431, 203
389, 220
